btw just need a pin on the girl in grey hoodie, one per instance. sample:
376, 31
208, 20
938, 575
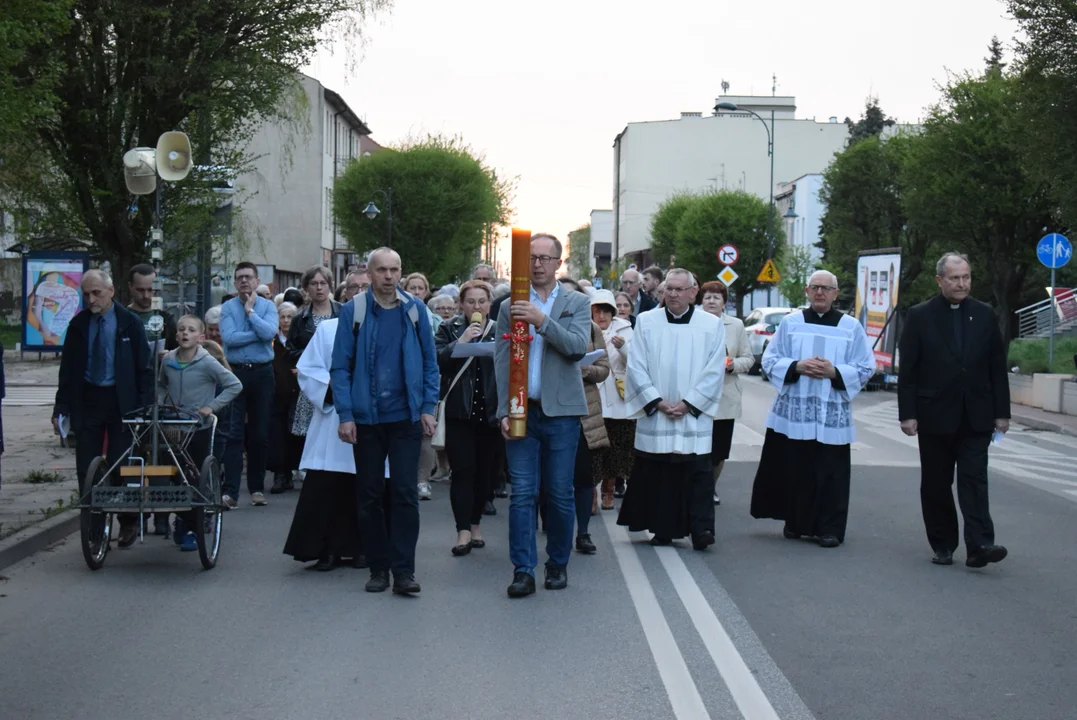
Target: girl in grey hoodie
189, 378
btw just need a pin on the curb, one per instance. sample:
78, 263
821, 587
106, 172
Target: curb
37, 537
1040, 424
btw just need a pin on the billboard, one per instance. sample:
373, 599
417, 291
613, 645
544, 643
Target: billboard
51, 297
878, 273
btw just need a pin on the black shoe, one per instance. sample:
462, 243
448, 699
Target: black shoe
326, 564
619, 488
459, 550
658, 541
278, 484
703, 540
378, 582
405, 584
943, 557
478, 544
501, 493
489, 509
556, 577
523, 584
829, 541
986, 554
160, 525
359, 562
789, 534
128, 535
288, 484
584, 544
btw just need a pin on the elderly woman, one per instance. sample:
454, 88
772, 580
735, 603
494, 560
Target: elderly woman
616, 464
624, 307
739, 359
469, 390
283, 448
444, 306
325, 527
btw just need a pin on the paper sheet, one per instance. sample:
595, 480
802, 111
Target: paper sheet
472, 349
592, 357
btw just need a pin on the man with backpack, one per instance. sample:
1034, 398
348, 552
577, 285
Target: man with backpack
385, 380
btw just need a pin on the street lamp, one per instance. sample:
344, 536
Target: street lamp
733, 107
371, 211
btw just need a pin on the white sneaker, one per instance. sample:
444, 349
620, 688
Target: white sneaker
229, 502
717, 500
258, 499
424, 491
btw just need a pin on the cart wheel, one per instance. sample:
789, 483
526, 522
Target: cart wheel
95, 526
207, 519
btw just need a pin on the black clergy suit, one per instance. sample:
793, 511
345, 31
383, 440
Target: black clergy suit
952, 380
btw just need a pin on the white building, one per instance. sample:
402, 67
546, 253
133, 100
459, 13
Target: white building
287, 219
653, 160
601, 240
801, 211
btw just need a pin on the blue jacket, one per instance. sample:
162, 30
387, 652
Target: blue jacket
352, 375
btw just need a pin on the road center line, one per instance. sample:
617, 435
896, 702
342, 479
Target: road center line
749, 697
680, 687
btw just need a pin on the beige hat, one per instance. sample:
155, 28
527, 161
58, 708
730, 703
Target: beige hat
604, 297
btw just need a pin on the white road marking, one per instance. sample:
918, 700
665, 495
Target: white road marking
750, 698
680, 687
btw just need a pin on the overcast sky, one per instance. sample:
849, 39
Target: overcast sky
543, 88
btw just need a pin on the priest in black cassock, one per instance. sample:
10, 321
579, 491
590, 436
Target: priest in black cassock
819, 359
673, 387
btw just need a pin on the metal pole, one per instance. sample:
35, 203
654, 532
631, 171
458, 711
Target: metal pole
389, 214
770, 208
1051, 308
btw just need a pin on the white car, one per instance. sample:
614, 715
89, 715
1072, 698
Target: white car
760, 325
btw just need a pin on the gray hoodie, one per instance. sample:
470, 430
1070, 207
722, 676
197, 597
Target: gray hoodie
194, 386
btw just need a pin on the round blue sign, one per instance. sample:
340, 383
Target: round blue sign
1054, 250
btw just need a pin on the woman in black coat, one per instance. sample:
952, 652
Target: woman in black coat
471, 429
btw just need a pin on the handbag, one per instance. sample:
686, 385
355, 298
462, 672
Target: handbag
438, 440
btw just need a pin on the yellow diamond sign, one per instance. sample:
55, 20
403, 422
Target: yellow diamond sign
728, 276
769, 273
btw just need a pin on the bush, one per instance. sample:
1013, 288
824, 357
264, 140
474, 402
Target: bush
1030, 355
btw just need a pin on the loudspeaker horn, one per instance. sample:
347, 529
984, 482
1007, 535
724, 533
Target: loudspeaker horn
139, 170
173, 156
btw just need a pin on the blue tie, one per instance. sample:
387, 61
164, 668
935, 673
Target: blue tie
97, 355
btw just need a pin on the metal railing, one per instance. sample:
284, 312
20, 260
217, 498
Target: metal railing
1035, 320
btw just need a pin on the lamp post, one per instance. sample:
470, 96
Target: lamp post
371, 211
733, 107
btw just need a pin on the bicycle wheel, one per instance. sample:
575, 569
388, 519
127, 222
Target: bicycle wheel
95, 526
207, 518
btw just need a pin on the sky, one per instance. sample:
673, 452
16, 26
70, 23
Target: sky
543, 88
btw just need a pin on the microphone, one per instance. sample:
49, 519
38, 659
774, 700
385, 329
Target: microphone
476, 318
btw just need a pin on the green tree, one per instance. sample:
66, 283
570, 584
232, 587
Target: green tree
129, 70
664, 225
728, 216
444, 196
27, 29
864, 194
871, 123
967, 185
578, 264
798, 265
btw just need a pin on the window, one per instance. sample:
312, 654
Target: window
329, 208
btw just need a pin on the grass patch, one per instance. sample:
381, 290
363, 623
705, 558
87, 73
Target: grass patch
43, 477
9, 335
1029, 355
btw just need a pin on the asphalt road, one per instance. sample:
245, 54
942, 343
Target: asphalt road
758, 627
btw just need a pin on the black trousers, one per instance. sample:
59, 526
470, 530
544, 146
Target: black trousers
938, 456
389, 546
472, 448
101, 414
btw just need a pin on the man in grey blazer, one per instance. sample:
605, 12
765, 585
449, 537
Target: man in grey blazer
560, 322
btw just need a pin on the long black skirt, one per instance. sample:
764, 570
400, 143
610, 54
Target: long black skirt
326, 521
670, 495
805, 483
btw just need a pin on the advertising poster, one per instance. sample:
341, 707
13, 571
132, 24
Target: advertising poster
51, 297
877, 273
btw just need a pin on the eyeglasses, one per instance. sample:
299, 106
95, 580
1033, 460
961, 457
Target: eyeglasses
821, 288
245, 278
319, 284
543, 259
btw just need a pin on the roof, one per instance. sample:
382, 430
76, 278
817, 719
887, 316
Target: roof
342, 107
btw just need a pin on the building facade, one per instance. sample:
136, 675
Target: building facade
286, 223
601, 241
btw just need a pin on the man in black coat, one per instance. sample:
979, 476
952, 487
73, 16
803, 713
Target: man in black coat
105, 373
953, 393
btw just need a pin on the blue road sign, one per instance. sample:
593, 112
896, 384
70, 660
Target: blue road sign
1054, 250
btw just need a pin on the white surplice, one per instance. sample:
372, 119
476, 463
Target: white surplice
811, 408
323, 450
675, 362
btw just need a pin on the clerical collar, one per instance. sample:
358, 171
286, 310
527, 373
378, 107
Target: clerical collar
681, 319
955, 306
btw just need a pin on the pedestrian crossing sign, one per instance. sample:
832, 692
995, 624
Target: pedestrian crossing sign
769, 273
728, 276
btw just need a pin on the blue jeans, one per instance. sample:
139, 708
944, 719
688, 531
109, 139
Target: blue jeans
548, 452
252, 406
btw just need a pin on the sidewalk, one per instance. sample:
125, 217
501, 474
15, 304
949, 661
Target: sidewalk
1042, 420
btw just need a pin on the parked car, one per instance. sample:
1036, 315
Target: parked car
760, 325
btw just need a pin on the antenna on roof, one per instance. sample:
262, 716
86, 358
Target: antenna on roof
725, 87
